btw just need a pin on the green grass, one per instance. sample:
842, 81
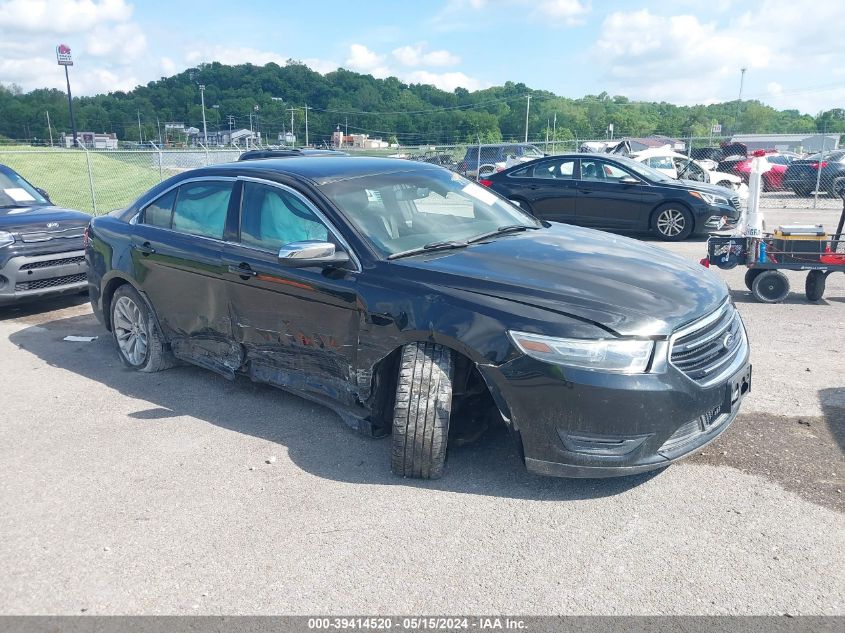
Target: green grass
118, 178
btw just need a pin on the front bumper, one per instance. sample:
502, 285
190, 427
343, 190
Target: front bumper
578, 423
717, 218
34, 276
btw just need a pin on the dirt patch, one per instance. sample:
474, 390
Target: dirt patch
802, 454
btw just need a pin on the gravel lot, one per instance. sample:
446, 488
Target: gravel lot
126, 493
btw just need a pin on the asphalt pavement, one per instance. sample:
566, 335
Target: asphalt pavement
183, 493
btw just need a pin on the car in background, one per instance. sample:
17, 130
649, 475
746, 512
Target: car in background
288, 152
773, 178
495, 157
677, 165
41, 245
415, 309
615, 192
826, 169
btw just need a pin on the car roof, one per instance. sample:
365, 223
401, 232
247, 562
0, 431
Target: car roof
656, 151
325, 170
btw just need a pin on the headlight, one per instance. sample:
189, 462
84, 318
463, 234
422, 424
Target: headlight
709, 198
6, 239
627, 356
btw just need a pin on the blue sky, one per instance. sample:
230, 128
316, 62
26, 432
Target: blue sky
681, 51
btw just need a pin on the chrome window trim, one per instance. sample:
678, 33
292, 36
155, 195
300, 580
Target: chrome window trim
134, 218
320, 215
311, 207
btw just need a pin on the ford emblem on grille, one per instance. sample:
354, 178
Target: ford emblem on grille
728, 340
52, 225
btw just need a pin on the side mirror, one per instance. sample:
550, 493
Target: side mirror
629, 180
311, 253
43, 193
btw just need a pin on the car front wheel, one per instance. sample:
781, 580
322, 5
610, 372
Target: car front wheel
139, 341
422, 410
672, 223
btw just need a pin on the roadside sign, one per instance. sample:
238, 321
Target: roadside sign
63, 56
717, 129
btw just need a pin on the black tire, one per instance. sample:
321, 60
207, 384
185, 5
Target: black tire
130, 317
422, 410
803, 193
770, 286
672, 222
726, 184
750, 275
814, 285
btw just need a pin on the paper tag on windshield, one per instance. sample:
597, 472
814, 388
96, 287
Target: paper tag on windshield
480, 193
19, 195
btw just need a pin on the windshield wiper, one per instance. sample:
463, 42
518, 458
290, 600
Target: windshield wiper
431, 246
508, 228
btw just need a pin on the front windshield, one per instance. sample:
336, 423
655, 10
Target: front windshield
643, 170
17, 192
406, 210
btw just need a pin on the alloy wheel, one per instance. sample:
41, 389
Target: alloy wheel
130, 330
671, 222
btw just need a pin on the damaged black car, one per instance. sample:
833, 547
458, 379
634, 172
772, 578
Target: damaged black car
408, 298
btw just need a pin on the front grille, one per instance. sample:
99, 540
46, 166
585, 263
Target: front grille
50, 283
46, 236
705, 348
53, 262
694, 429
735, 202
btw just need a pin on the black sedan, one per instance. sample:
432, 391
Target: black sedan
824, 171
614, 192
409, 298
41, 249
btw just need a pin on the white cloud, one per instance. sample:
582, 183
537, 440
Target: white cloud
362, 58
416, 55
689, 59
567, 12
61, 16
445, 81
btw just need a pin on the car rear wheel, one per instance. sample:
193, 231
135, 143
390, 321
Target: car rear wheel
814, 285
672, 223
725, 183
770, 286
422, 410
803, 193
140, 344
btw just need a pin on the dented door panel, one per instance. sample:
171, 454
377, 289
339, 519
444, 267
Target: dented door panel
298, 327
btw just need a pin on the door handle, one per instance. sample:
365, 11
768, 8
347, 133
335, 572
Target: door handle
243, 270
145, 248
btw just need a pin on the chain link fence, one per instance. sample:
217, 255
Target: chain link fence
99, 181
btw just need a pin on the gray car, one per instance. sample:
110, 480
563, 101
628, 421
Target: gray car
41, 245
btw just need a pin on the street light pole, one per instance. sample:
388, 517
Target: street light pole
204, 128
306, 125
527, 108
70, 107
739, 101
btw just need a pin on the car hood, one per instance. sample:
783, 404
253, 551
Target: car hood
41, 218
697, 186
623, 285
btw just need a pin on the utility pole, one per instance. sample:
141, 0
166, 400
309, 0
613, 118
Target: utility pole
554, 133
50, 127
140, 140
527, 108
204, 128
306, 125
739, 101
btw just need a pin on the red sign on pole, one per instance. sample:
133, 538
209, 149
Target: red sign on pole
63, 55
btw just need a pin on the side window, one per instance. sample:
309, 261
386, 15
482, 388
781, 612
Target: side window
525, 172
559, 169
201, 208
272, 217
612, 173
591, 170
158, 213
